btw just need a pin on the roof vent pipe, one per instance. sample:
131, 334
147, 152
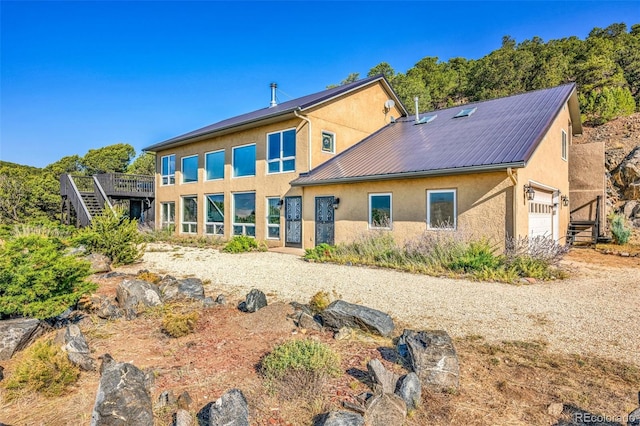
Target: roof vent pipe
417, 116
273, 103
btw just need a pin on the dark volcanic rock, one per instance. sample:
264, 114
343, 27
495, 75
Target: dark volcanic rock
410, 390
255, 300
341, 314
17, 334
340, 418
229, 410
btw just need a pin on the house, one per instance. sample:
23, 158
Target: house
331, 166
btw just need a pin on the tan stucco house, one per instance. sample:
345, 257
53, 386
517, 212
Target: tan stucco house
333, 165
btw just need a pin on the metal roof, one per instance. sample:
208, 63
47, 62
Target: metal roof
279, 111
500, 133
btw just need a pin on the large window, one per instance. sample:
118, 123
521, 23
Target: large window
168, 215
190, 215
441, 209
380, 211
564, 145
273, 218
190, 169
244, 160
281, 151
244, 214
168, 170
214, 165
214, 223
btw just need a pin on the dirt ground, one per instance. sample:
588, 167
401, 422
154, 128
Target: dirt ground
501, 382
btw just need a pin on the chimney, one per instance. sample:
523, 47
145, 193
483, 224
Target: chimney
273, 103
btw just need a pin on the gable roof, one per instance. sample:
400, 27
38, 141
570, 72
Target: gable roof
274, 113
499, 133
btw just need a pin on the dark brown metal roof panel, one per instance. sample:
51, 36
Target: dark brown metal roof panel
502, 131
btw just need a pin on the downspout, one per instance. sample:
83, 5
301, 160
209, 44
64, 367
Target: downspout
305, 118
514, 179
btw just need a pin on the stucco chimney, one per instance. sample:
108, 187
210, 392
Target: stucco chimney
273, 103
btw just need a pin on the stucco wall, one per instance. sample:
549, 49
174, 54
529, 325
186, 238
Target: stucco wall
587, 180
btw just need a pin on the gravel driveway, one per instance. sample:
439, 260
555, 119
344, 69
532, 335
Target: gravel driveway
595, 312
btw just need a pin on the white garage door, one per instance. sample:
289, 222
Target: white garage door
541, 214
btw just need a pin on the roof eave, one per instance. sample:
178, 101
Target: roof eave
413, 175
574, 112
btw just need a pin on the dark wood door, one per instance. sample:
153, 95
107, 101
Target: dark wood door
293, 221
324, 220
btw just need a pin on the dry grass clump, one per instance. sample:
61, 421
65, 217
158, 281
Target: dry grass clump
149, 277
319, 302
178, 324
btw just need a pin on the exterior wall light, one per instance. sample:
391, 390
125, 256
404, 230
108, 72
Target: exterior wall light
529, 192
336, 202
565, 200
280, 203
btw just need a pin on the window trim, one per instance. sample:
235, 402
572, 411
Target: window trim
216, 225
377, 194
333, 139
182, 221
271, 225
168, 175
233, 162
233, 215
455, 208
564, 145
280, 160
168, 223
206, 163
182, 181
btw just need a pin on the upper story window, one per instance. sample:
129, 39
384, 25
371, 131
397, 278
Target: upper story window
281, 151
565, 146
214, 165
380, 211
190, 169
244, 160
441, 209
168, 169
328, 142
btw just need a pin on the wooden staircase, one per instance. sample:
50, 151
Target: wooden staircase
585, 232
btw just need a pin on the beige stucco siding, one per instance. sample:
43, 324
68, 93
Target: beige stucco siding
483, 203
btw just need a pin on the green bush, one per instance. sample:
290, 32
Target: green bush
178, 324
43, 368
322, 252
478, 256
114, 235
37, 279
243, 244
619, 229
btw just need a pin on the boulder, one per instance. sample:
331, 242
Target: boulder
341, 418
166, 398
627, 175
342, 314
131, 295
107, 309
630, 209
184, 400
188, 288
123, 396
382, 378
432, 357
410, 390
255, 300
308, 322
17, 334
221, 300
77, 349
385, 409
99, 262
183, 418
229, 410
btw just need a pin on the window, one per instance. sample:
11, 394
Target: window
244, 214
214, 165
168, 215
190, 215
328, 142
380, 211
465, 112
441, 209
168, 170
214, 222
244, 160
273, 218
564, 145
281, 151
190, 169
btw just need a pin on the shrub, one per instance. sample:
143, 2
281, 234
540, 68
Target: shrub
150, 277
177, 324
37, 279
322, 252
319, 302
619, 229
243, 244
539, 248
114, 235
477, 256
43, 368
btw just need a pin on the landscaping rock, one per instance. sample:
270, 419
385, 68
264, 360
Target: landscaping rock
166, 398
410, 390
131, 295
385, 410
341, 418
123, 396
183, 418
1, 373
188, 288
229, 410
432, 357
107, 309
77, 349
342, 314
221, 300
630, 209
308, 322
255, 300
184, 400
384, 379
627, 175
208, 302
99, 263
17, 334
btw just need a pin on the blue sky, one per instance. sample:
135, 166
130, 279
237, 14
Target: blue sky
82, 75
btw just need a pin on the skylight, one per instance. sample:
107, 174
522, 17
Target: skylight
427, 119
465, 112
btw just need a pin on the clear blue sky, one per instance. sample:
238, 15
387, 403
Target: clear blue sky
81, 75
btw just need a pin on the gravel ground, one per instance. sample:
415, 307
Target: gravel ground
594, 312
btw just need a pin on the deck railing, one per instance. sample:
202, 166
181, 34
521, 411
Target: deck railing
124, 185
70, 190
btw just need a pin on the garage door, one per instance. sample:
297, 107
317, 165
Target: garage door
541, 214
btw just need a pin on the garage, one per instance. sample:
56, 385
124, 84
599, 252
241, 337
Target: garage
541, 215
